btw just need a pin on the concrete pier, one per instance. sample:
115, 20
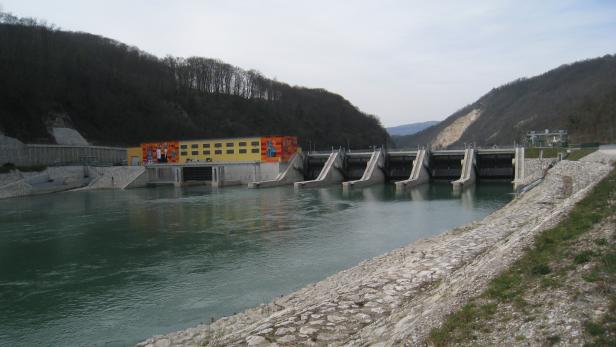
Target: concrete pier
419, 172
518, 166
468, 175
330, 174
293, 173
373, 174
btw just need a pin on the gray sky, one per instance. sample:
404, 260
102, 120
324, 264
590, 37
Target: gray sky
404, 61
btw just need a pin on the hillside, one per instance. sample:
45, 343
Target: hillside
580, 97
409, 129
114, 94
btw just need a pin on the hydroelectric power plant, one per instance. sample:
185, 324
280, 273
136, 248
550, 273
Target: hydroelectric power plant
353, 169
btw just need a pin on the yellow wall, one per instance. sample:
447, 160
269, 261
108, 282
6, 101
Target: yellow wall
133, 152
251, 145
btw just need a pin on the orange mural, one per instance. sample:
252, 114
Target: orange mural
160, 152
278, 148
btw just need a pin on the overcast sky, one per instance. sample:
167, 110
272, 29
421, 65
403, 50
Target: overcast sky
404, 61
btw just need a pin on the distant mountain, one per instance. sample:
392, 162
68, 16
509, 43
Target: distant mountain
579, 97
409, 129
115, 94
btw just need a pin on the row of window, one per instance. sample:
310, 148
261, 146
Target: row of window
218, 151
219, 145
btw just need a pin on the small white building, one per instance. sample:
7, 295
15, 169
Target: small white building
547, 138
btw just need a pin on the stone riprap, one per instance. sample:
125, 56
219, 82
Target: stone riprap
534, 169
395, 299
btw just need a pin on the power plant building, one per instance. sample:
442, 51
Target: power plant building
223, 150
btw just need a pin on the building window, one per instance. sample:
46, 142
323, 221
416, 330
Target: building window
184, 146
206, 152
183, 153
218, 151
194, 145
218, 145
255, 143
229, 151
206, 145
194, 152
229, 144
255, 150
242, 150
242, 144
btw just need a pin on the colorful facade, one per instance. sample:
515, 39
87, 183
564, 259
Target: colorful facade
242, 149
221, 150
278, 148
160, 152
134, 156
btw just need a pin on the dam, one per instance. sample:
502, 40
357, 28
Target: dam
405, 168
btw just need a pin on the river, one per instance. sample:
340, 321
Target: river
111, 268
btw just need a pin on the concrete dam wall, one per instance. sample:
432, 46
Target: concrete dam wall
406, 169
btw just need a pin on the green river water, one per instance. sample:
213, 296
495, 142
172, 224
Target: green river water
111, 268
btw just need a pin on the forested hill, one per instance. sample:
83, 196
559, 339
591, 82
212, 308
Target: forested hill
580, 97
119, 95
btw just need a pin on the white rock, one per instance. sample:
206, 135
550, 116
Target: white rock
255, 340
287, 339
307, 330
162, 343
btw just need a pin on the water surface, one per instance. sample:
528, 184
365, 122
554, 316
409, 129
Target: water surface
110, 268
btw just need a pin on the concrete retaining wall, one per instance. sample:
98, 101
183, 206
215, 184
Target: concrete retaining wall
51, 180
116, 177
244, 173
14, 151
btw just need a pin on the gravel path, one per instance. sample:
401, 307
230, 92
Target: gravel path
397, 298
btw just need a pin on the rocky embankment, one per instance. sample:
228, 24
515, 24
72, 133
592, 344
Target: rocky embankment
397, 298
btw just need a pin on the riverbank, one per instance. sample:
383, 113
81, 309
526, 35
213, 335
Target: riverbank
559, 292
400, 296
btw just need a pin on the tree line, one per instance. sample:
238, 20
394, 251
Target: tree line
116, 94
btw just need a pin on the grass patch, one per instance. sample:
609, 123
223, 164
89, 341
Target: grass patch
533, 153
541, 269
593, 329
552, 340
578, 154
505, 287
591, 277
463, 323
603, 332
608, 262
583, 257
552, 246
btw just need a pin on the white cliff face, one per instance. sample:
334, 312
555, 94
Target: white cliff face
454, 131
68, 136
397, 298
